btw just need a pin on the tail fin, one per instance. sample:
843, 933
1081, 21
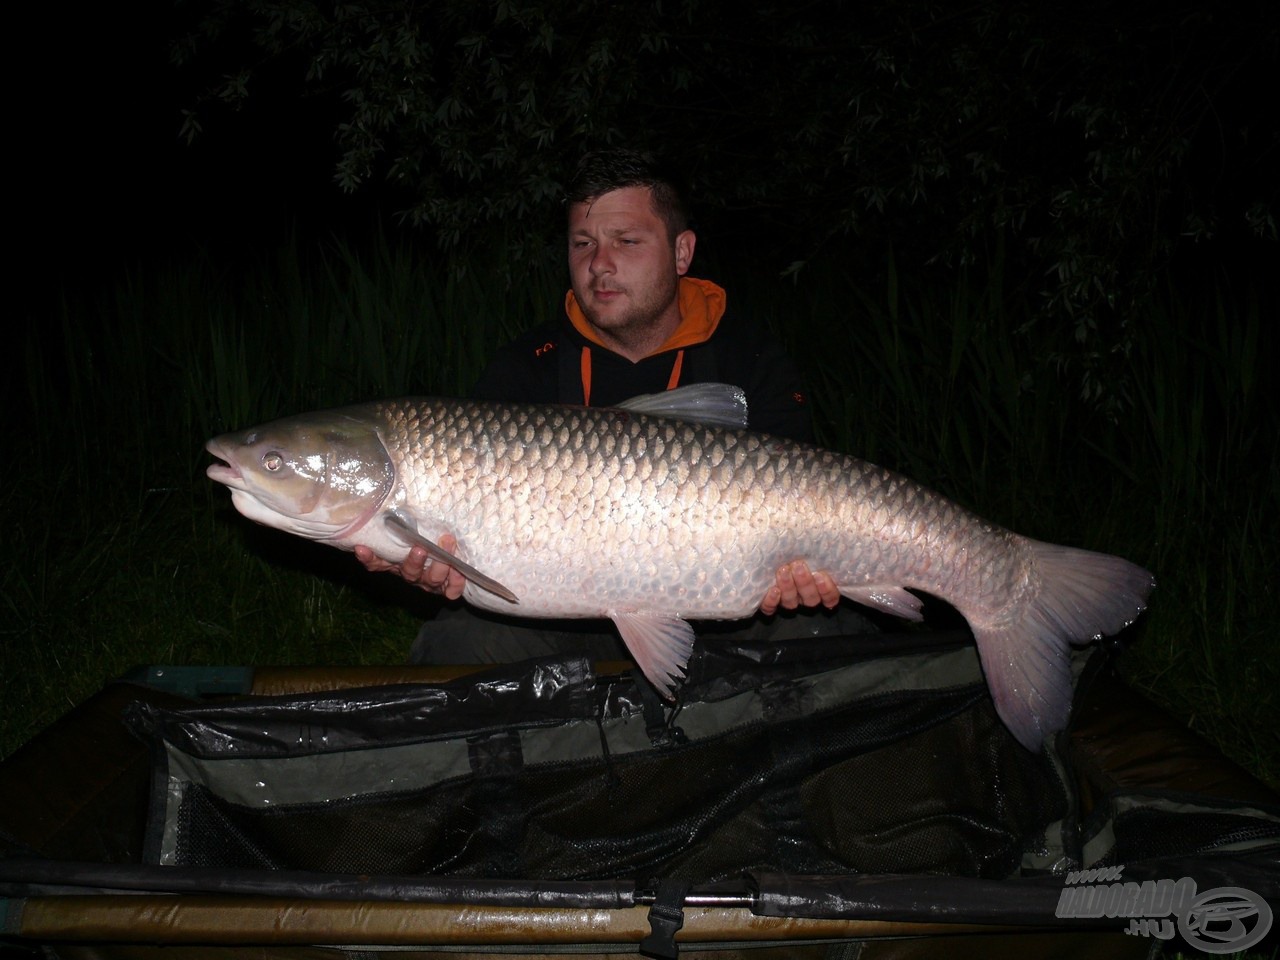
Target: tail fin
1077, 596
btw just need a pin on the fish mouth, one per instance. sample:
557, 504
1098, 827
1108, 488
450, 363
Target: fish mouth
225, 470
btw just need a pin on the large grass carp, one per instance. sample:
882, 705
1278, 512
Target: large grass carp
651, 519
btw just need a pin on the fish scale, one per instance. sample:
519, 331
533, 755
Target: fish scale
580, 512
562, 482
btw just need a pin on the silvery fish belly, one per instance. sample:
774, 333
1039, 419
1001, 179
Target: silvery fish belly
568, 511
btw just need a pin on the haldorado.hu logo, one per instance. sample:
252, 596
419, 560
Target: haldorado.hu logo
1220, 920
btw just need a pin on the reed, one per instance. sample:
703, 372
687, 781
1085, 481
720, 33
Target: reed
947, 382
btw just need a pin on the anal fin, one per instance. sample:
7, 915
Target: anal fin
661, 645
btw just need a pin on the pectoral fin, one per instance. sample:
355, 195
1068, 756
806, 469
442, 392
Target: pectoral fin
894, 600
404, 531
661, 645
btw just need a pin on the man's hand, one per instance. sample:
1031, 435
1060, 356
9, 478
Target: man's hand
797, 587
432, 576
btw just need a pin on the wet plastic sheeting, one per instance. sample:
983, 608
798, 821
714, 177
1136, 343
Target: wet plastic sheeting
552, 773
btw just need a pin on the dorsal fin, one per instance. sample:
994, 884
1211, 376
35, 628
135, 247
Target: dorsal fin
710, 404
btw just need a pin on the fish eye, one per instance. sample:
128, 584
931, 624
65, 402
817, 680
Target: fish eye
273, 461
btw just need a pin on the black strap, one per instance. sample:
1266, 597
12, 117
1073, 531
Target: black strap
658, 724
666, 917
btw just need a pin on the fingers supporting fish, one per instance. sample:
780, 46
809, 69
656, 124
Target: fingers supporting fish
441, 577
406, 533
796, 586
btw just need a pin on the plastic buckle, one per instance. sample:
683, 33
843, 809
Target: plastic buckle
666, 917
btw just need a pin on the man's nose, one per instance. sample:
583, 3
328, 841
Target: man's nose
601, 261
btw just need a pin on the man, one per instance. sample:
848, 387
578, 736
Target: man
635, 323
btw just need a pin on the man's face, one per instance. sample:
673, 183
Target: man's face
624, 267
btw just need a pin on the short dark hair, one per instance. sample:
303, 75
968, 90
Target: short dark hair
603, 171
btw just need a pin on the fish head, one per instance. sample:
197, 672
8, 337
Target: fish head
320, 476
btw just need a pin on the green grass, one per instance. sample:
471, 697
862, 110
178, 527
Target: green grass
121, 552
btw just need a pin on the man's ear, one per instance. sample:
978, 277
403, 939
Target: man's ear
685, 242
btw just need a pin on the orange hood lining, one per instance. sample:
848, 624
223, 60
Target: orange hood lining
702, 305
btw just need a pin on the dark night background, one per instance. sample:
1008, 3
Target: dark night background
109, 181
95, 125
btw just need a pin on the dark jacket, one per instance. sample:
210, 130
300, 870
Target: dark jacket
547, 366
